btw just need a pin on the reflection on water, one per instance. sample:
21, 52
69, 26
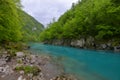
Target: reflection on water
86, 64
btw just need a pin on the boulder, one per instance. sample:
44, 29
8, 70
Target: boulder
117, 48
78, 43
20, 54
103, 46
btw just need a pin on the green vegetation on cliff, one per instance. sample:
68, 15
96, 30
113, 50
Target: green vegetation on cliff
97, 18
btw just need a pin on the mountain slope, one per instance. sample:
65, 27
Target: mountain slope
31, 27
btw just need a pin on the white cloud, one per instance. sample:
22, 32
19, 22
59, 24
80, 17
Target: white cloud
45, 10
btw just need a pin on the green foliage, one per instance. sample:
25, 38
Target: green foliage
18, 46
97, 18
20, 61
15, 24
28, 69
9, 21
31, 28
104, 32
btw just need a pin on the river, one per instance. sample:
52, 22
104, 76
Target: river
85, 64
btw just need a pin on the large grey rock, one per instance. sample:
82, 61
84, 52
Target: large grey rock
78, 43
20, 54
117, 48
103, 46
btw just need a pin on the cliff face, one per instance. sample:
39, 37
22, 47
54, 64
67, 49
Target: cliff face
89, 43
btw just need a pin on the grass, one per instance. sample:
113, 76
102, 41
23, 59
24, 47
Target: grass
29, 69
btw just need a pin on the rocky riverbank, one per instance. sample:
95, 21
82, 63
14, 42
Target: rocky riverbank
25, 66
87, 43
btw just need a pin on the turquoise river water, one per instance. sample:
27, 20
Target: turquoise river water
85, 64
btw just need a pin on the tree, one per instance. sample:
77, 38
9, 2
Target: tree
9, 21
97, 18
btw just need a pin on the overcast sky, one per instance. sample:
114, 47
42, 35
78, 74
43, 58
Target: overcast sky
45, 10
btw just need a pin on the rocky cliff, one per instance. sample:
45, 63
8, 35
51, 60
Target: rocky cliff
88, 43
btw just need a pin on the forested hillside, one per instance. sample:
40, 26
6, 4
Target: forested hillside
10, 25
31, 28
15, 24
98, 19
